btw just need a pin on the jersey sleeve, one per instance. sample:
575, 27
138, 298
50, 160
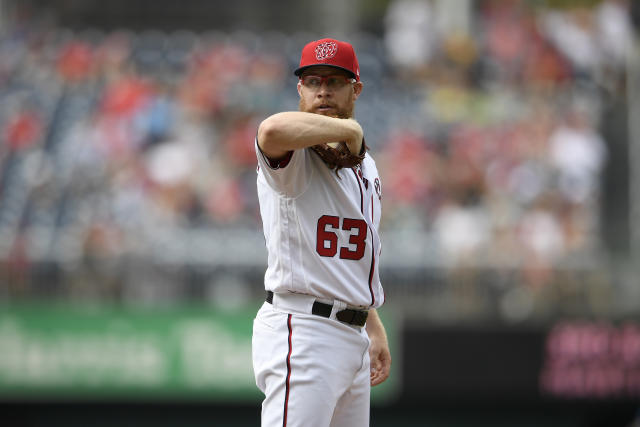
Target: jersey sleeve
289, 176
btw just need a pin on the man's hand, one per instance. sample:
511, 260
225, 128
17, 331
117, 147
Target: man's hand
379, 353
380, 362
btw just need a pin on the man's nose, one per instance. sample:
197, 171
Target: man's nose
324, 90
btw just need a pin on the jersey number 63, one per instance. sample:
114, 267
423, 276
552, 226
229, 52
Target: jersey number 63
327, 237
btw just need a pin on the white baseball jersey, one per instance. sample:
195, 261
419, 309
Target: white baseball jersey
321, 229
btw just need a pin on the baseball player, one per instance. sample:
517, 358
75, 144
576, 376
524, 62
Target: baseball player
318, 343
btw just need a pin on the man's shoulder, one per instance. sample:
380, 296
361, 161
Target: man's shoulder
369, 161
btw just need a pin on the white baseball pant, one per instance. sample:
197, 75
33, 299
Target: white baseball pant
314, 371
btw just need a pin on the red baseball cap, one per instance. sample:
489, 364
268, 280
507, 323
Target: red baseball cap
330, 52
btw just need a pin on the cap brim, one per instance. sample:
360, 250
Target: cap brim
300, 70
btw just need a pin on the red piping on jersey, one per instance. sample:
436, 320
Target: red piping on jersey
372, 220
373, 252
287, 384
361, 194
373, 259
373, 263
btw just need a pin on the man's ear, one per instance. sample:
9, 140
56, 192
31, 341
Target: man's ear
299, 85
357, 90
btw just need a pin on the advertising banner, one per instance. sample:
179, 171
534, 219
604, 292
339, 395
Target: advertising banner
102, 352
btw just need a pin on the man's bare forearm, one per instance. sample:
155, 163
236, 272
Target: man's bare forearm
375, 326
292, 130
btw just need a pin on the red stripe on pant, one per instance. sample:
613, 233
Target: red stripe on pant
287, 386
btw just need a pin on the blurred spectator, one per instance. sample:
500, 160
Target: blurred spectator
157, 117
463, 232
574, 34
542, 239
75, 61
412, 173
168, 168
509, 33
578, 153
23, 130
615, 32
410, 35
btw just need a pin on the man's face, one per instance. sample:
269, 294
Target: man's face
328, 91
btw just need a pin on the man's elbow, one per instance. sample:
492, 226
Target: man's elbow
270, 137
268, 132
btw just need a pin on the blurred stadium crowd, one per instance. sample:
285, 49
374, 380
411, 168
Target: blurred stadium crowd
121, 149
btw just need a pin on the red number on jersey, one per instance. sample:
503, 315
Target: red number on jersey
355, 239
325, 236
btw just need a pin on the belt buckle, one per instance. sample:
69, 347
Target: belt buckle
353, 317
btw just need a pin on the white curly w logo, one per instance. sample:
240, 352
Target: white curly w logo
326, 50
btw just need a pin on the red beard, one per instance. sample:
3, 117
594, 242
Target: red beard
340, 113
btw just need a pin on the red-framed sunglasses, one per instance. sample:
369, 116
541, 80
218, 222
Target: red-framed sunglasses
333, 81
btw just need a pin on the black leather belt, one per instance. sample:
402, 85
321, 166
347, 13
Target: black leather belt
350, 316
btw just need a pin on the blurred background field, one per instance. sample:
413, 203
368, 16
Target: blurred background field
507, 134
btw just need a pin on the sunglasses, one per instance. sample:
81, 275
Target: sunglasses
334, 81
